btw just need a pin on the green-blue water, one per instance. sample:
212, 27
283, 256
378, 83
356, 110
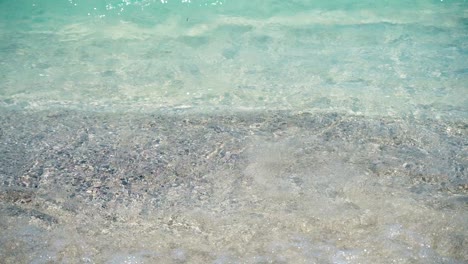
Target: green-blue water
233, 131
389, 58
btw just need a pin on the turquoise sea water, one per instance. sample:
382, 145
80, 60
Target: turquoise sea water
223, 131
386, 58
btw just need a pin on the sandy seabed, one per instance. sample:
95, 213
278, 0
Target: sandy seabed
249, 187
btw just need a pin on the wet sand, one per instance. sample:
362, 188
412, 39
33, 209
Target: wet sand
247, 187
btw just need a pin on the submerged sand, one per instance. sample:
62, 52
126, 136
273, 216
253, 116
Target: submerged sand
249, 187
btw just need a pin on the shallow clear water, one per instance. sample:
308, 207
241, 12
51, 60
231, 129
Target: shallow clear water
392, 58
233, 131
